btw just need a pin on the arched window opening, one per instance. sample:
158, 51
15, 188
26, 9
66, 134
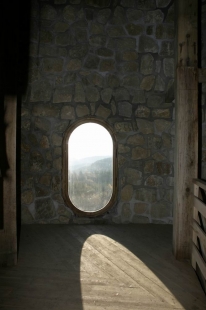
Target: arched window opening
89, 167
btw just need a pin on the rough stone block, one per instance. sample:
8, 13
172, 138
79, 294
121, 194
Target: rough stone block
82, 110
26, 217
67, 112
92, 62
146, 194
48, 12
105, 52
103, 16
107, 65
63, 94
122, 44
133, 176
113, 81
121, 94
154, 17
61, 27
122, 149
134, 30
65, 39
40, 191
45, 179
98, 3
167, 48
92, 94
97, 40
52, 65
78, 51
123, 126
161, 113
126, 212
127, 193
140, 207
56, 139
168, 66
45, 110
148, 45
131, 81
165, 32
154, 181
116, 31
27, 197
142, 111
134, 15
44, 209
147, 82
69, 13
44, 142
139, 97
154, 142
36, 161
135, 140
106, 95
57, 163
74, 64
103, 112
79, 95
162, 125
158, 156
147, 64
155, 101
145, 126
41, 91
164, 168
160, 210
125, 109
149, 166
140, 153
146, 4
160, 84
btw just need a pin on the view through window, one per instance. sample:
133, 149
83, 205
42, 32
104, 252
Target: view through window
90, 165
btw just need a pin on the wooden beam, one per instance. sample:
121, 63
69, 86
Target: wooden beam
8, 235
199, 260
200, 206
186, 148
199, 183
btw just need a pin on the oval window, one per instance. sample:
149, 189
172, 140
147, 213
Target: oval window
89, 186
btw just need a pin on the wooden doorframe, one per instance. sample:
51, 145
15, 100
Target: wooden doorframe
8, 235
188, 75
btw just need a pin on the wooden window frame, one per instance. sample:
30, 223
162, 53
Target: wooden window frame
65, 170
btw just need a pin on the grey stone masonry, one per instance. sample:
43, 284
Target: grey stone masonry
114, 61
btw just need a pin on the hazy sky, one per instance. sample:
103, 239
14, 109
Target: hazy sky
90, 139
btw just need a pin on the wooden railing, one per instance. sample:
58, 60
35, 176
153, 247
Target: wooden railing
199, 231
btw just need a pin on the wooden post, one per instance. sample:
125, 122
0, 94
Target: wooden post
8, 235
186, 154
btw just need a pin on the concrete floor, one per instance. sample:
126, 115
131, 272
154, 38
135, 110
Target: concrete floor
99, 267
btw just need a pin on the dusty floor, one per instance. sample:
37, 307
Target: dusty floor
99, 267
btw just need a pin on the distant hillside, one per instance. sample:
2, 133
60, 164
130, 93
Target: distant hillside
103, 164
84, 163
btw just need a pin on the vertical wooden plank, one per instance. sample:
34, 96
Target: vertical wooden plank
8, 235
186, 148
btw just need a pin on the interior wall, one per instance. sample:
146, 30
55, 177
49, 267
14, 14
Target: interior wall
113, 60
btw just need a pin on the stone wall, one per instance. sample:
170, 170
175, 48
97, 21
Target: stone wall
114, 60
